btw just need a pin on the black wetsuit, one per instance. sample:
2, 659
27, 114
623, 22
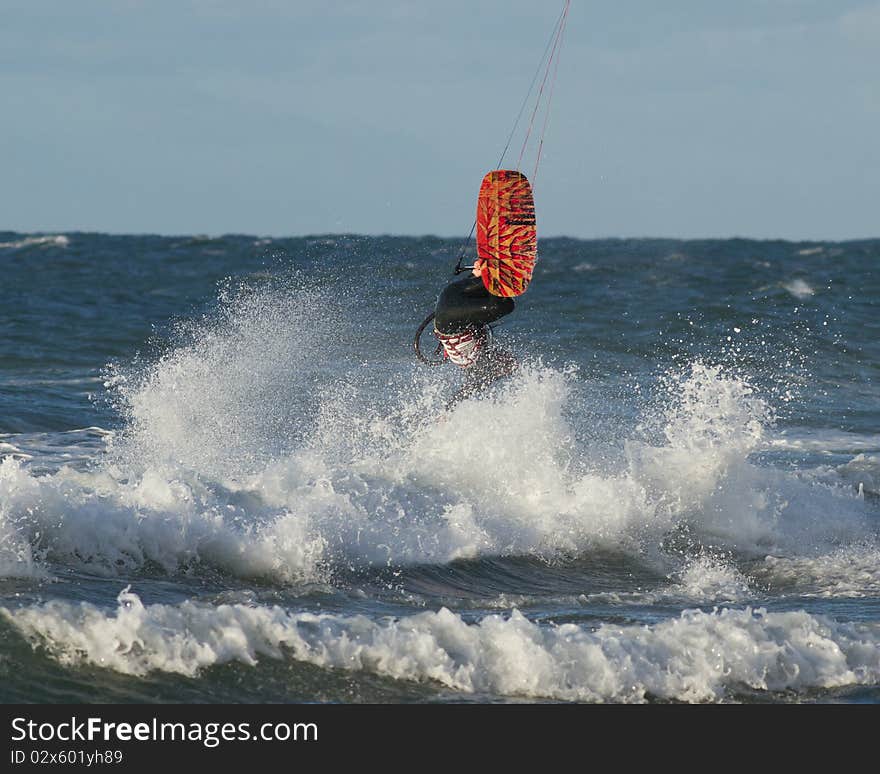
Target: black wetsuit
464, 305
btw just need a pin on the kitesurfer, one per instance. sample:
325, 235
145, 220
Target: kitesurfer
461, 324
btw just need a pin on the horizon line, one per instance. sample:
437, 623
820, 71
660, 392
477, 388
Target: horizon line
426, 236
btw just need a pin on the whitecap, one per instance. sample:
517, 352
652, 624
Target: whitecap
57, 240
848, 572
696, 657
799, 289
824, 440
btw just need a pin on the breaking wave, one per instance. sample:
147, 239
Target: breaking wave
698, 656
264, 443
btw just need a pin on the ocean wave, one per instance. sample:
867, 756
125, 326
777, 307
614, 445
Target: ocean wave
60, 447
378, 492
700, 580
848, 572
247, 448
863, 473
832, 441
696, 657
57, 240
91, 520
799, 289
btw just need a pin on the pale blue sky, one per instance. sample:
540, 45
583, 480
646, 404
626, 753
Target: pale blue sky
680, 118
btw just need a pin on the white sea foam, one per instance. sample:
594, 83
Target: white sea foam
246, 447
94, 521
700, 580
830, 441
863, 472
10, 450
17, 554
697, 657
848, 572
851, 571
230, 396
366, 491
799, 289
709, 579
58, 240
51, 450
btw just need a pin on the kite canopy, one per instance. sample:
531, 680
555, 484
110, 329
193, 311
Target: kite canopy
507, 239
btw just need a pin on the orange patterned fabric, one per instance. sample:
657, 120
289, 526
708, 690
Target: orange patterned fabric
507, 239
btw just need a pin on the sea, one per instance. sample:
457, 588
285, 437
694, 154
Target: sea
226, 477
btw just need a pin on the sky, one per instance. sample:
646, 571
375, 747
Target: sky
682, 118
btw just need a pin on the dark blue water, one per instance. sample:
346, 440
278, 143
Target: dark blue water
225, 477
